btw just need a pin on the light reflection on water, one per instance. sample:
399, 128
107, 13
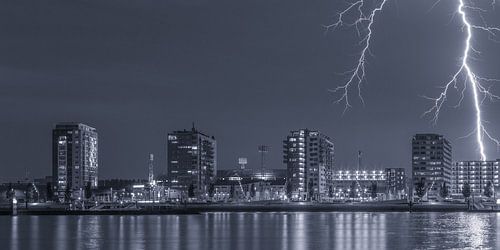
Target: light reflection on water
256, 231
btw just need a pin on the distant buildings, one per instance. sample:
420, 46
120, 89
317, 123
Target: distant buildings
395, 179
309, 158
431, 162
26, 190
192, 162
388, 183
233, 189
479, 174
309, 174
358, 184
251, 174
250, 184
74, 159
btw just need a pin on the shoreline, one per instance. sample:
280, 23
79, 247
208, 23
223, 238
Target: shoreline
166, 209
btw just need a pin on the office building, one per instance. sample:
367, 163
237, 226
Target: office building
192, 162
309, 158
431, 163
395, 183
74, 159
479, 174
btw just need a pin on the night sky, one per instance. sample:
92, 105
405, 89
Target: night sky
245, 71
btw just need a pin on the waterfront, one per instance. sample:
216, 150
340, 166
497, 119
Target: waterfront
287, 230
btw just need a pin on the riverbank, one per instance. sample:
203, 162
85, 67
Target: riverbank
160, 209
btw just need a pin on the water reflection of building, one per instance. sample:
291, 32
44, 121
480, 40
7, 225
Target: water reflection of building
479, 174
361, 231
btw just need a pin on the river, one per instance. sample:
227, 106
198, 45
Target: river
257, 231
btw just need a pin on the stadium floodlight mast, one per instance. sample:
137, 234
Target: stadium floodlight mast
479, 86
263, 150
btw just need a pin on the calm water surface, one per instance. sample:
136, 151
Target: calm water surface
257, 231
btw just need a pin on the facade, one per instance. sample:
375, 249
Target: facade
431, 163
74, 159
249, 190
251, 174
395, 183
136, 191
47, 180
309, 157
192, 162
250, 184
389, 184
358, 184
32, 190
479, 174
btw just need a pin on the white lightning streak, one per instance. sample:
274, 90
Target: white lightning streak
476, 82
480, 90
358, 73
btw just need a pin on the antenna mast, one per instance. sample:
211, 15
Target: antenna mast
151, 177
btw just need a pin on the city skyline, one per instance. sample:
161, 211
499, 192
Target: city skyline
144, 80
250, 124
163, 170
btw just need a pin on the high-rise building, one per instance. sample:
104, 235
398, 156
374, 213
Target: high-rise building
192, 162
431, 162
479, 174
74, 159
309, 157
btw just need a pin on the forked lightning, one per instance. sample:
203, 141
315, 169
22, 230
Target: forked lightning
479, 86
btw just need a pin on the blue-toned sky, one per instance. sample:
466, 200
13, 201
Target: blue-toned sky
245, 71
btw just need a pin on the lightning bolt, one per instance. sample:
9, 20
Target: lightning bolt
363, 23
480, 86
